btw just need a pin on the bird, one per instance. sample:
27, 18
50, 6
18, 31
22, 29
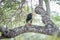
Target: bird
29, 19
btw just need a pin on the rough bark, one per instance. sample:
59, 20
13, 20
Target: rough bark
41, 3
11, 33
45, 18
47, 3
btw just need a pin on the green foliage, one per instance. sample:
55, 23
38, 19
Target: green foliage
7, 9
55, 18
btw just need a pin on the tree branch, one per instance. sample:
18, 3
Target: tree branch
11, 33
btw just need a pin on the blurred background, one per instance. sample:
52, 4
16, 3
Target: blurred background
12, 16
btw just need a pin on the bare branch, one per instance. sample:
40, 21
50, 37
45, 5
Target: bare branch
11, 33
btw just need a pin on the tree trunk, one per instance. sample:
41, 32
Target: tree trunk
41, 3
47, 3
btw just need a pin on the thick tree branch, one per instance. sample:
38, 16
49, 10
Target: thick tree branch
11, 33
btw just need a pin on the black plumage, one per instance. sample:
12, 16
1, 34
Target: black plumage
29, 18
